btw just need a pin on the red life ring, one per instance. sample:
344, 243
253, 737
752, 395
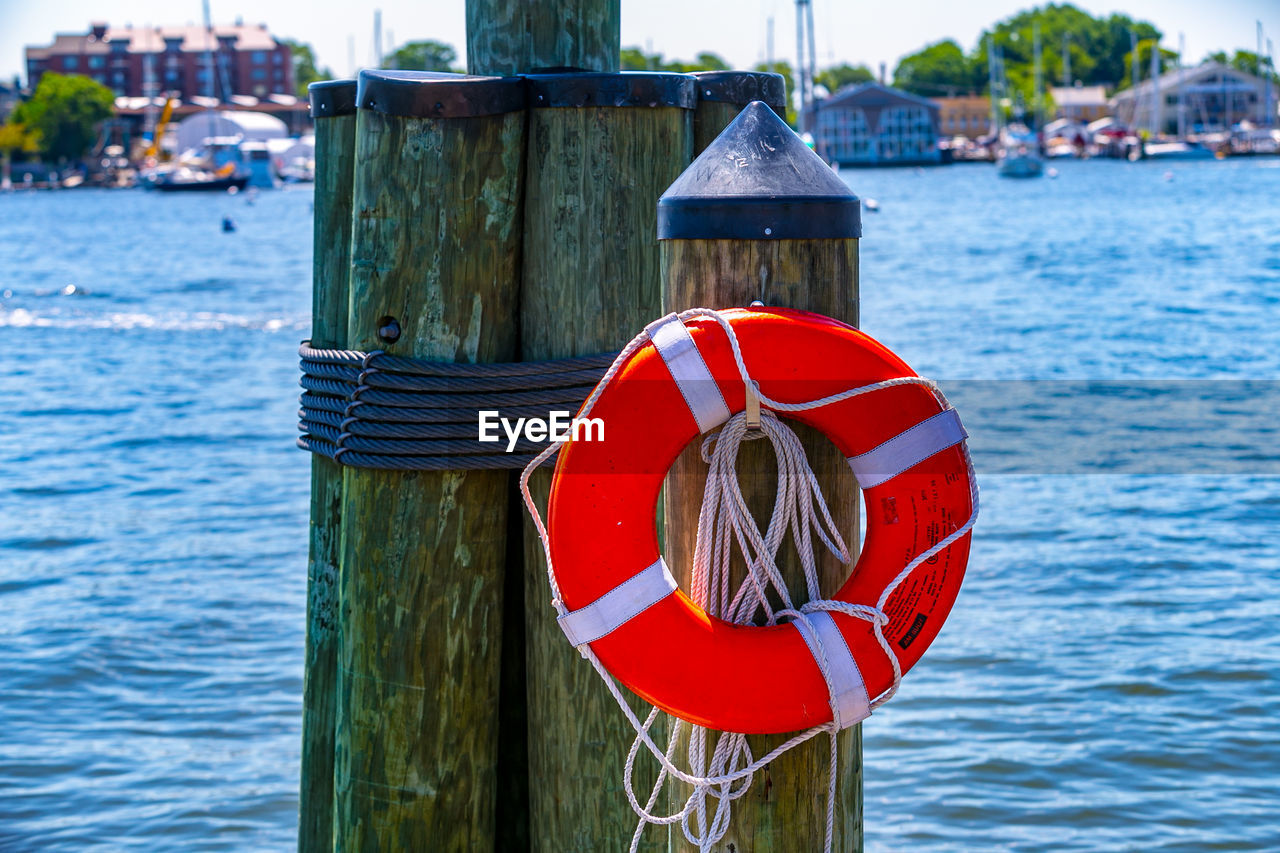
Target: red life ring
603, 542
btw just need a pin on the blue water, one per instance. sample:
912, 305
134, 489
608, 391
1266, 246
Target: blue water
1109, 679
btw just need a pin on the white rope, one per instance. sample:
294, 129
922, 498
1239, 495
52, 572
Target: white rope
724, 520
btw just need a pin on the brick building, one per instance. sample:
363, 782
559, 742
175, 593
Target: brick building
964, 115
247, 59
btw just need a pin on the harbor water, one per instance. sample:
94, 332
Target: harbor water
1108, 680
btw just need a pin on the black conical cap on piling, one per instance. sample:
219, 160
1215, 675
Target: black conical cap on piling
758, 181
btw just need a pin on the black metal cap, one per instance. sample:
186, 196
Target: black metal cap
758, 181
432, 94
332, 98
743, 87
626, 89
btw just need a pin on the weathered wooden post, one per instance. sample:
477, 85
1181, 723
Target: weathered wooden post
723, 94
506, 37
434, 275
333, 106
758, 216
602, 147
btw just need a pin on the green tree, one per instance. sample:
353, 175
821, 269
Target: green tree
1246, 61
422, 56
1099, 47
939, 69
1168, 61
305, 69
15, 137
65, 111
839, 76
635, 59
706, 61
788, 82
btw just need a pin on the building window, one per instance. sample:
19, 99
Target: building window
70, 62
277, 59
259, 57
259, 74
97, 61
845, 134
905, 133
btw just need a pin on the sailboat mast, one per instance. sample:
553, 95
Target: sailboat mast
1265, 74
1134, 73
991, 84
208, 69
1156, 100
813, 51
149, 89
1066, 60
1271, 68
1038, 95
1182, 75
801, 66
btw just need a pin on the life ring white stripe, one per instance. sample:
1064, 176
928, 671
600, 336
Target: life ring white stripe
908, 449
619, 605
851, 703
681, 356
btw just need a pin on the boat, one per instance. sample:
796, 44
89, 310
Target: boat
1017, 146
184, 178
1176, 151
215, 166
1018, 153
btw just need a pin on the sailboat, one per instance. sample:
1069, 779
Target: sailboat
1018, 154
1017, 145
218, 166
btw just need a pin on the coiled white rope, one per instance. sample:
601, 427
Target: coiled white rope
723, 520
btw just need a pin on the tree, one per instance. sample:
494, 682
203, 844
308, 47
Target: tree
839, 76
305, 70
1099, 47
707, 61
1245, 61
939, 69
15, 137
422, 56
65, 111
788, 82
1168, 60
635, 59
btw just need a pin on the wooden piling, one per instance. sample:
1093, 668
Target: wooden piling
601, 150
333, 107
723, 94
507, 37
760, 217
434, 274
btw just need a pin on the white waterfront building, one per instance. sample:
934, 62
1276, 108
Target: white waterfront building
1208, 97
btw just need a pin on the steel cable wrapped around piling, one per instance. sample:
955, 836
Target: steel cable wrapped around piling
374, 410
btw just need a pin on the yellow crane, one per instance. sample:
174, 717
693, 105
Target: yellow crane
154, 148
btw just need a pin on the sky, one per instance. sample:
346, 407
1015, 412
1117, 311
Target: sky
846, 31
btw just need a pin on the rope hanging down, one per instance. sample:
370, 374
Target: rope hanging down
724, 520
375, 410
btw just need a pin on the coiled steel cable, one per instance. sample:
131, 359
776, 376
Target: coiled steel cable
375, 410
